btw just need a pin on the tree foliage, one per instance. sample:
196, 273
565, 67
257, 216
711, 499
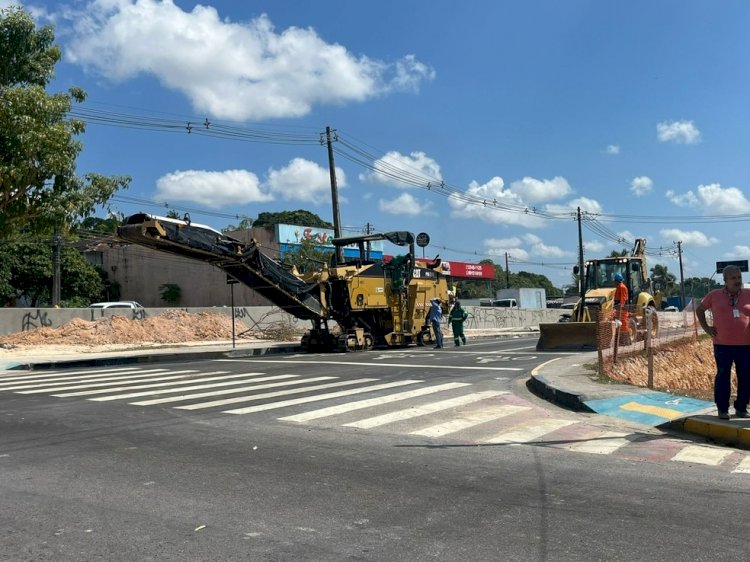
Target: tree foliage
299, 218
39, 186
26, 271
307, 256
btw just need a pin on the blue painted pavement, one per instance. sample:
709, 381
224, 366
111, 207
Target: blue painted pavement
653, 408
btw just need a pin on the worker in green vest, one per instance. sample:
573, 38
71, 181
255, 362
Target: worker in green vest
456, 318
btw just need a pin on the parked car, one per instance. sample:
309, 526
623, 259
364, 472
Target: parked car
117, 304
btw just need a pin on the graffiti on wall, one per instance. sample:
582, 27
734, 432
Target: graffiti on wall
36, 319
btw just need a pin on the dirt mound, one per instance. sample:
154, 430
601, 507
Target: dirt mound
174, 326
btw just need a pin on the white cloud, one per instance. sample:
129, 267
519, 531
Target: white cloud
498, 205
532, 190
641, 185
404, 171
682, 200
612, 149
212, 189
303, 180
499, 247
405, 204
593, 246
713, 200
680, 132
543, 250
739, 251
586, 204
236, 70
688, 238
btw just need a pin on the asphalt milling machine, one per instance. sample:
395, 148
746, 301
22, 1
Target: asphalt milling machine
359, 304
591, 323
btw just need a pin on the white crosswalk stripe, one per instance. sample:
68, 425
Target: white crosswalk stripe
360, 404
467, 421
52, 389
605, 444
7, 379
185, 397
101, 377
295, 401
239, 399
744, 466
529, 431
243, 379
432, 408
702, 455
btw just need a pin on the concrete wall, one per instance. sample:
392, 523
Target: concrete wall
14, 320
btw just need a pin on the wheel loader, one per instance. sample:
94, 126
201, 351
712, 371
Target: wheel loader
358, 304
592, 321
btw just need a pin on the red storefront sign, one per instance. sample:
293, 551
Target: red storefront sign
464, 269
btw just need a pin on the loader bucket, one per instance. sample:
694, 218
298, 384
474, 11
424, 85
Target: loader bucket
567, 336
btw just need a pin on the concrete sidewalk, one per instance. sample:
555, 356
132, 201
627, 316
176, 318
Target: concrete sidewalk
572, 382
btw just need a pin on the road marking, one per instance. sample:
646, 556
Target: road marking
185, 397
424, 410
468, 421
76, 380
318, 397
666, 413
702, 455
403, 365
250, 398
182, 380
244, 380
605, 444
744, 466
172, 375
529, 431
351, 406
68, 374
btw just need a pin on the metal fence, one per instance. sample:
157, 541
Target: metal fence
659, 350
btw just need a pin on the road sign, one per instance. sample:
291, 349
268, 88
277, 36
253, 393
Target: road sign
423, 239
742, 264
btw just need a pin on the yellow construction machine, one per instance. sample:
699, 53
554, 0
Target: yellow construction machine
591, 324
369, 303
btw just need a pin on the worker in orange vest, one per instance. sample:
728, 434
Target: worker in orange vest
621, 303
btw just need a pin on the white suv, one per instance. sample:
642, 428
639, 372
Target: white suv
119, 304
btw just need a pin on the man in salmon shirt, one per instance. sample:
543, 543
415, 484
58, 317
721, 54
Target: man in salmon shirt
730, 308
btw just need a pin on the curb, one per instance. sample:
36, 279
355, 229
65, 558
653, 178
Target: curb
155, 358
543, 388
720, 431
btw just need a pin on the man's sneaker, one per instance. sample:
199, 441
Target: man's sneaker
723, 415
741, 414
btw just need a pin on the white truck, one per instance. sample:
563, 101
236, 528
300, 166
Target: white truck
524, 297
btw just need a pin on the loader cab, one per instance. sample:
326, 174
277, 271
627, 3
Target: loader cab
600, 274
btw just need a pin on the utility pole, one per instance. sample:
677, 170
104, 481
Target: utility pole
682, 278
56, 277
334, 195
507, 272
581, 272
368, 246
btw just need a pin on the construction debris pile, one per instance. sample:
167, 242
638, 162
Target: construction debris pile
174, 326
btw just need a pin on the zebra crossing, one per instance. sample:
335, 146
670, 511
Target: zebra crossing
458, 412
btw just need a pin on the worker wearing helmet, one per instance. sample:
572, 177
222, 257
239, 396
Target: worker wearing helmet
621, 302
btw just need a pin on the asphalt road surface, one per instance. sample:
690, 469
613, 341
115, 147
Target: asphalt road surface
398, 455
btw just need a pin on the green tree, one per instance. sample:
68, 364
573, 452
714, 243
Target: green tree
27, 272
663, 280
307, 257
171, 293
39, 186
299, 218
245, 224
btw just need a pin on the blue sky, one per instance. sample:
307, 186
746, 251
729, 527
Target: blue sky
484, 124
